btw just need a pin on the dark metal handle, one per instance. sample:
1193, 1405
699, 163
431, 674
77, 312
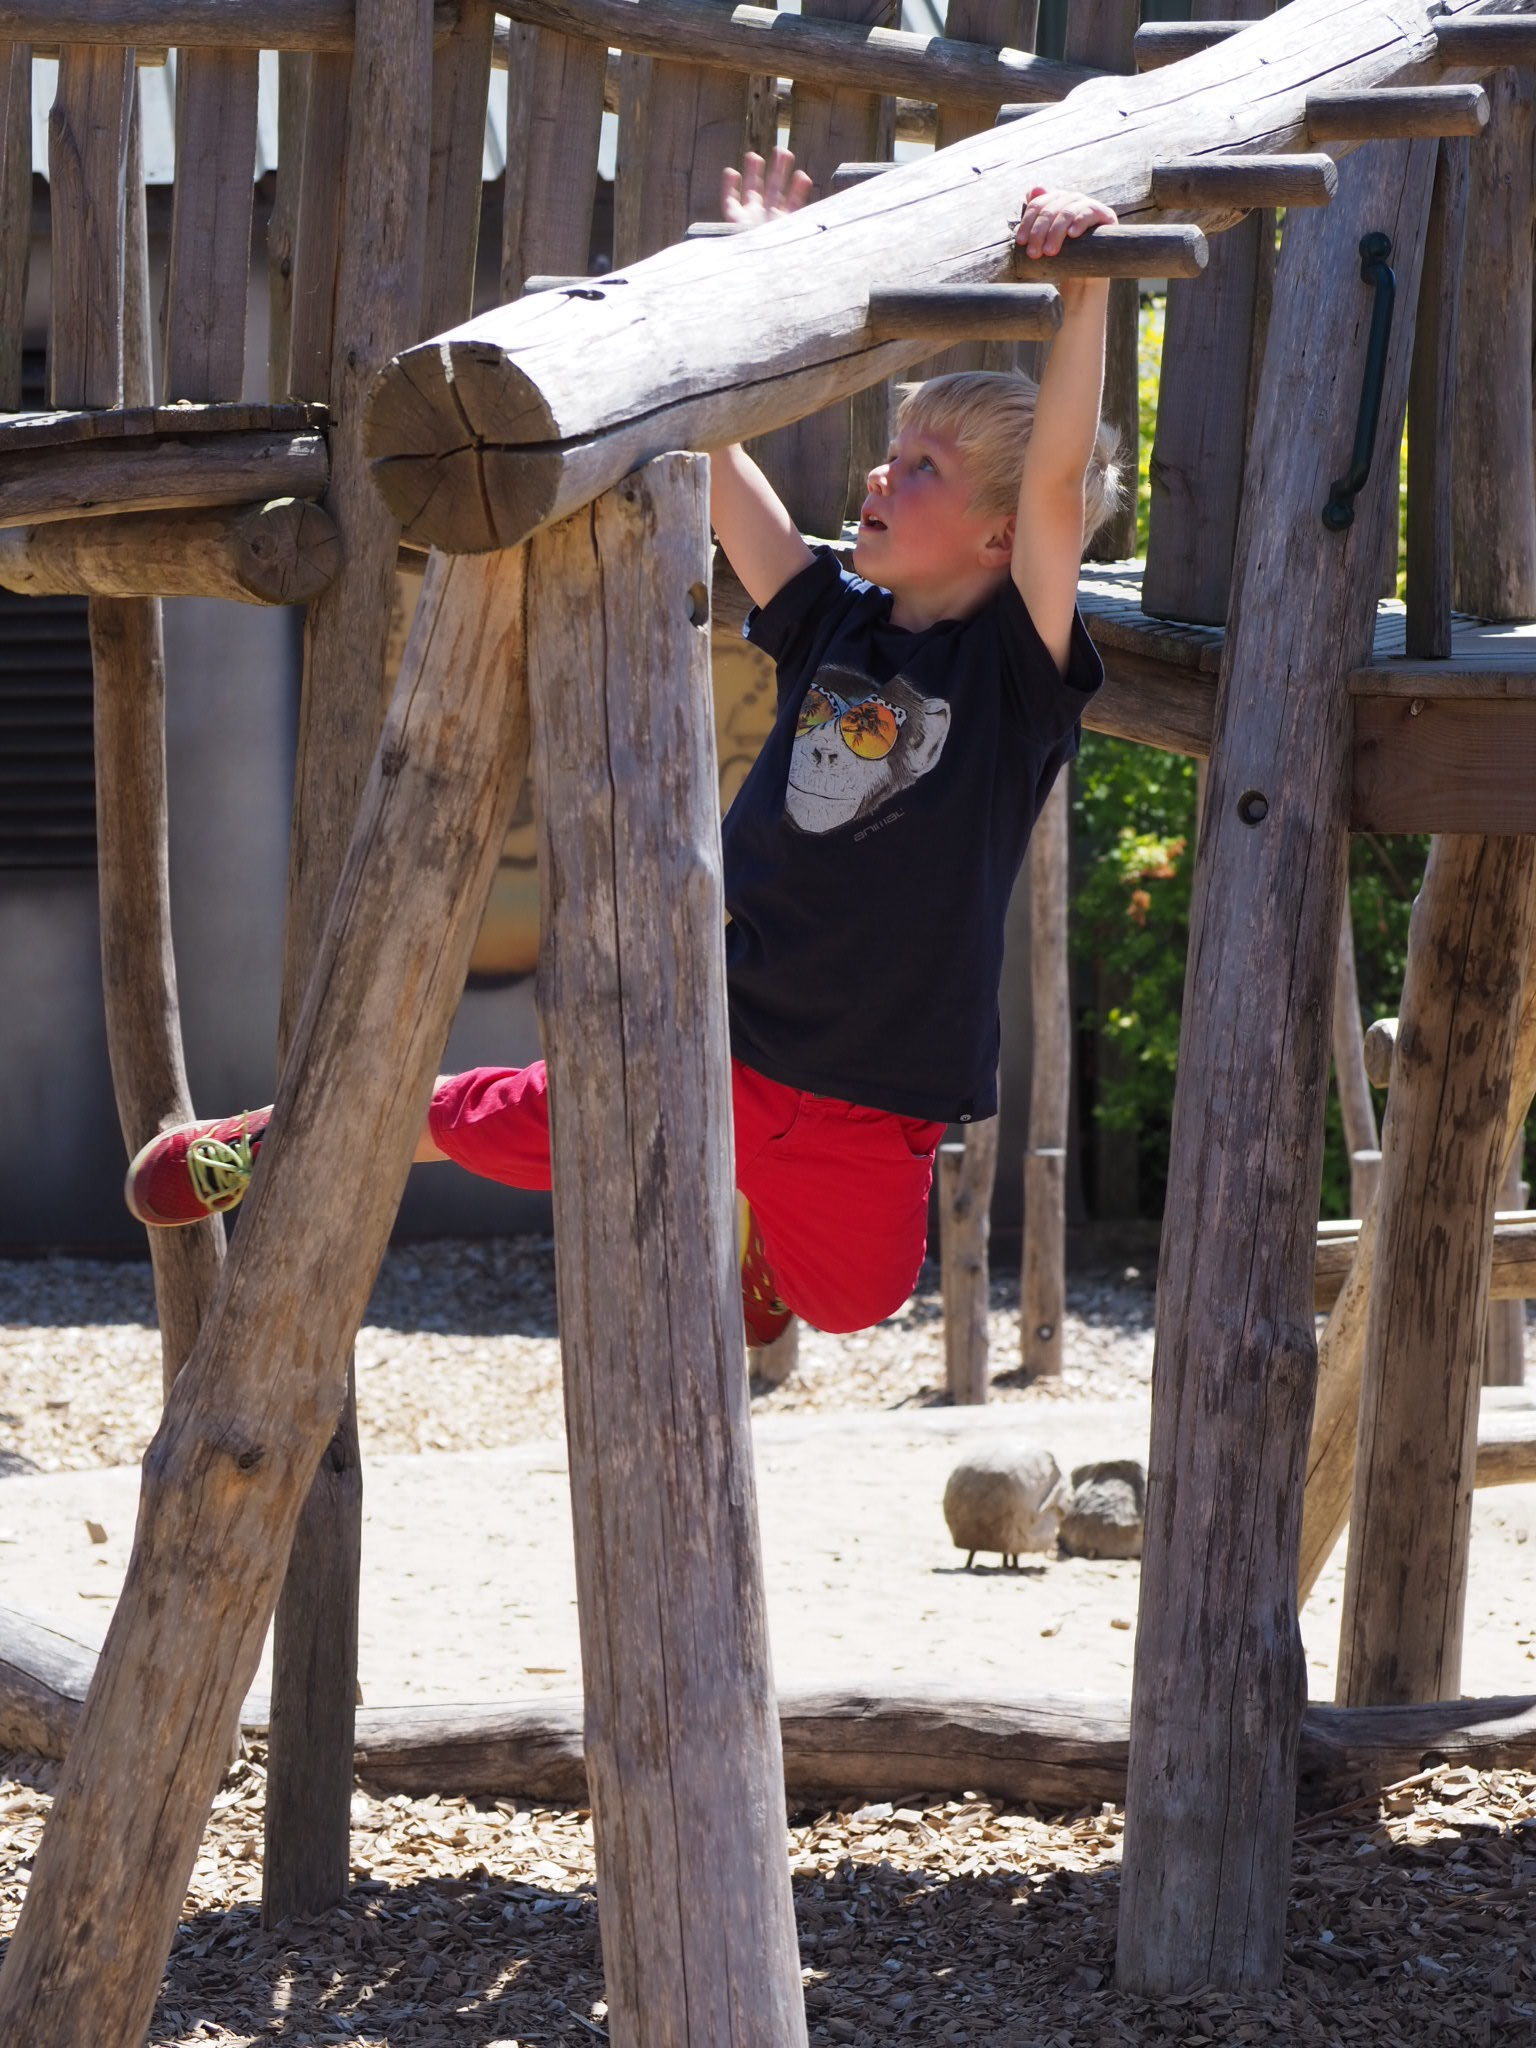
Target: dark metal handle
1375, 268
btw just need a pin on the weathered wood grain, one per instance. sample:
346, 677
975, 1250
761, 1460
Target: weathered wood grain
1504, 1349
1350, 1079
1043, 1258
379, 291
967, 1173
461, 84
972, 312
284, 552
1443, 1147
1512, 1275
33, 430
1457, 765
295, 25
682, 1740
1507, 37
87, 165
1170, 42
1125, 252
1219, 1667
554, 120
251, 1412
210, 256
15, 212
1431, 407
487, 433
1397, 113
680, 125
282, 221
1266, 181
157, 474
317, 224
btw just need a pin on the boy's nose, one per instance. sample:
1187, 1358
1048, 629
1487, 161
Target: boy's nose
879, 478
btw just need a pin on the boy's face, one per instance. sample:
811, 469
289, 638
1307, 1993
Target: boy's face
917, 526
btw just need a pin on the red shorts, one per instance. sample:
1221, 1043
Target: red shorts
840, 1193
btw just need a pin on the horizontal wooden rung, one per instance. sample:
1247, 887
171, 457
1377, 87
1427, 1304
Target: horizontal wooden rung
283, 552
1245, 181
1120, 252
136, 422
966, 312
847, 175
1397, 113
713, 230
157, 473
299, 25
1169, 42
1487, 40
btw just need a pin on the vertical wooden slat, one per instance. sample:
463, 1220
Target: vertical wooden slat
1431, 410
967, 1173
15, 212
378, 301
210, 259
1356, 1108
682, 1738
680, 125
1043, 1292
554, 119
317, 235
87, 160
461, 83
282, 224
1504, 1352
1213, 341
1442, 1158
1220, 1676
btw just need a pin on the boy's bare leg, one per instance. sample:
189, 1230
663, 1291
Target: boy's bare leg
426, 1151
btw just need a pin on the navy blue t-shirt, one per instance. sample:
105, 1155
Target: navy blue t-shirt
872, 849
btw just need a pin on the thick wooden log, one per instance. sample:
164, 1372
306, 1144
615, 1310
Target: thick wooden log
1212, 1786
969, 312
379, 292
482, 435
44, 1677
87, 164
1245, 181
285, 552
15, 212
1349, 1075
1043, 1260
1397, 113
682, 1741
461, 84
210, 258
295, 25
554, 119
1493, 460
250, 1414
39, 485
1431, 405
967, 1173
1512, 1275
1443, 1153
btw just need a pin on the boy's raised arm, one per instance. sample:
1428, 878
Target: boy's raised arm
1048, 539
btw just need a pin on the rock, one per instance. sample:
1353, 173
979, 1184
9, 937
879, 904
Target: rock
1007, 1497
1103, 1515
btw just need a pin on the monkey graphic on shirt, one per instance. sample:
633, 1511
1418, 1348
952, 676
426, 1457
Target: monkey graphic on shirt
856, 744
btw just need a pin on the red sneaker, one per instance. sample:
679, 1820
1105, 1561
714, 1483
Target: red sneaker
766, 1316
195, 1170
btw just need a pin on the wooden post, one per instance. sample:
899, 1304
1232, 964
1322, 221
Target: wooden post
326, 85
210, 262
1043, 1260
251, 1412
87, 166
1213, 343
1493, 464
1442, 1159
15, 212
379, 288
966, 1176
1431, 405
1355, 1105
1504, 1352
1220, 1677
683, 1747
1101, 33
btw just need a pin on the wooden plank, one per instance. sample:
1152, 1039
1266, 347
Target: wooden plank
1442, 1158
1159, 706
1448, 766
1212, 1784
317, 231
151, 476
680, 125
1043, 1269
1493, 461
1431, 407
250, 1415
504, 425
1504, 1350
461, 83
282, 222
378, 295
554, 120
210, 255
15, 212
87, 163
1356, 1109
967, 1173
31, 430
285, 552
682, 1740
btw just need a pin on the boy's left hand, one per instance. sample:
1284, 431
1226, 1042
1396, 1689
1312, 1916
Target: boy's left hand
1051, 218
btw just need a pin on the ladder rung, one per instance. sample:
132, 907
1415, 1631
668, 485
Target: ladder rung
1168, 42
966, 312
1487, 39
1397, 113
1119, 252
855, 174
1245, 181
1015, 110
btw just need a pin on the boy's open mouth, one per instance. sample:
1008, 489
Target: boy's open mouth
868, 519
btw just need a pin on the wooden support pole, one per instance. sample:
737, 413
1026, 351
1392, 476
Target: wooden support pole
379, 289
285, 552
1043, 1264
1355, 1106
1431, 406
15, 212
1220, 1676
1443, 1155
251, 1412
1504, 1351
210, 258
967, 1173
682, 1738
87, 164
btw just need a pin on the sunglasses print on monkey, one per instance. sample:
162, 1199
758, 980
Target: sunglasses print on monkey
853, 753
869, 728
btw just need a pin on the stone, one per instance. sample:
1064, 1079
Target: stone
1103, 1514
1006, 1498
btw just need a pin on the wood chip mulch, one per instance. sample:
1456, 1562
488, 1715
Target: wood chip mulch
947, 1921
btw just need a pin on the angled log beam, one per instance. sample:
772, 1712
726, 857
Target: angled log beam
481, 435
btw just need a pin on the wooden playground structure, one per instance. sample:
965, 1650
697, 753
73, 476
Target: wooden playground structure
565, 606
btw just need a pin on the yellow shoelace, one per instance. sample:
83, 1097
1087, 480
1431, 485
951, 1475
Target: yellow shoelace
221, 1173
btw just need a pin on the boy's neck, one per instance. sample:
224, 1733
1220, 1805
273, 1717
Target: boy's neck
917, 606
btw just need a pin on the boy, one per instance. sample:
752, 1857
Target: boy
925, 706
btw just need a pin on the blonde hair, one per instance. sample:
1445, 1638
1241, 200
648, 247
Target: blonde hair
991, 415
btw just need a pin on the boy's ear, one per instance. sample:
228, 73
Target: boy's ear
997, 548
